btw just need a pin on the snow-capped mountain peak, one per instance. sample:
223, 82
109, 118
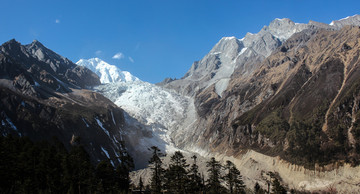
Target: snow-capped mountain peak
350, 20
107, 73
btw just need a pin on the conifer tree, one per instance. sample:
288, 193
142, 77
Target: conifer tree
213, 182
195, 183
258, 189
233, 178
105, 175
126, 163
157, 170
141, 185
277, 188
176, 175
79, 170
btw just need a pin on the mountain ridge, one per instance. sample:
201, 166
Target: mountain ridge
43, 94
254, 47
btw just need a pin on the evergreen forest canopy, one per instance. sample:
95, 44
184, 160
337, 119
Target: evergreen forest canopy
43, 167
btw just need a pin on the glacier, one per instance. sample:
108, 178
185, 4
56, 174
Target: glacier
151, 109
155, 116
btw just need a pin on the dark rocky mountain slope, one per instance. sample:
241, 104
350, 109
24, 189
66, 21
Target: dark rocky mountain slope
43, 95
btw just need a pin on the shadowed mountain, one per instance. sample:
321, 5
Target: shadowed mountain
43, 94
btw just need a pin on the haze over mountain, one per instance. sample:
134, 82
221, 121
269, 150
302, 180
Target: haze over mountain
285, 100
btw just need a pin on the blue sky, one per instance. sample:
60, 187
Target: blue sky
153, 39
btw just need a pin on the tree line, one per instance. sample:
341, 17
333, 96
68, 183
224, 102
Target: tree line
183, 178
43, 167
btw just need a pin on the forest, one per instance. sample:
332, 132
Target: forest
43, 167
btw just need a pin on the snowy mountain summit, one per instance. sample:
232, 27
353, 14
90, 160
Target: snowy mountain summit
107, 73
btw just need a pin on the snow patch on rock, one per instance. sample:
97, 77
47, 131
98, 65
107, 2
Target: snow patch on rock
87, 125
102, 127
9, 123
106, 153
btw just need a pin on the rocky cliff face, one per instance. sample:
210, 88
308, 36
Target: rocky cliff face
43, 95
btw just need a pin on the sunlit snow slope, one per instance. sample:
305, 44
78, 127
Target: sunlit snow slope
107, 73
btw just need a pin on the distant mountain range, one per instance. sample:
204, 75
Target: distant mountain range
285, 99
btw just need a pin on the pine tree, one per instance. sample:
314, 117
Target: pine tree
126, 163
277, 188
49, 168
195, 183
176, 175
258, 189
141, 185
213, 182
157, 170
105, 175
79, 170
59, 154
233, 178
